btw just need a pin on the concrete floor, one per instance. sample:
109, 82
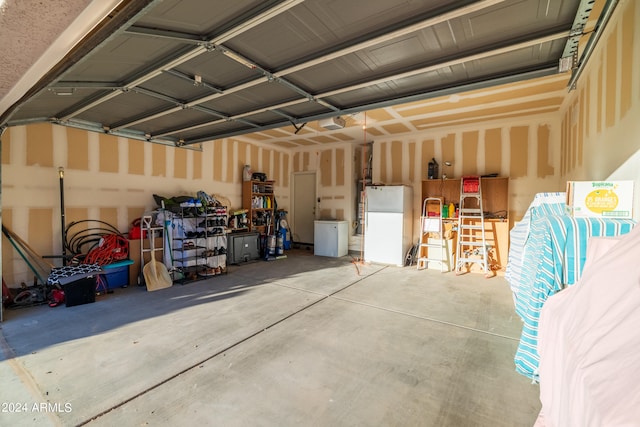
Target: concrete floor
300, 341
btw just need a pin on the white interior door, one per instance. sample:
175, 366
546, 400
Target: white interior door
304, 206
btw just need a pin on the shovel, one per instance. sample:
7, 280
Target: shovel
155, 273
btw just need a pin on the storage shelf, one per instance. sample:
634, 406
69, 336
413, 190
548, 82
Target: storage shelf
258, 192
196, 262
495, 203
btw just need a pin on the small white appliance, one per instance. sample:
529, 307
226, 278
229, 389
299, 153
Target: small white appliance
330, 238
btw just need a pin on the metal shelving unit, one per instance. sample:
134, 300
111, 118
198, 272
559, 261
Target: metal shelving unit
199, 248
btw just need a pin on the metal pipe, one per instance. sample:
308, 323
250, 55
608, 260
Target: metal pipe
62, 219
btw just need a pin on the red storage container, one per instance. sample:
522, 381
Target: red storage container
470, 184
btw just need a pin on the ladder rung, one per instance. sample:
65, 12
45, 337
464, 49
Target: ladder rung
471, 227
432, 245
470, 260
471, 243
423, 259
469, 210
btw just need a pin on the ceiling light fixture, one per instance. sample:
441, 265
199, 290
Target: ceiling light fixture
332, 123
63, 91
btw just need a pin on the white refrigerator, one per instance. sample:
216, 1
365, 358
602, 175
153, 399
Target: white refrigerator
388, 223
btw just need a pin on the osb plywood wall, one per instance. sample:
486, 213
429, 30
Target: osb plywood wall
111, 179
600, 126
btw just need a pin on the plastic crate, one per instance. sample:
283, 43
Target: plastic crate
117, 274
470, 184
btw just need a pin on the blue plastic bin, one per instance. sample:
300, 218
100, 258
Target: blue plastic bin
117, 274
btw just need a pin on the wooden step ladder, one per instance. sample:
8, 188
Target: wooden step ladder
428, 225
472, 245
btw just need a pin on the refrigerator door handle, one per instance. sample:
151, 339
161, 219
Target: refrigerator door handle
366, 213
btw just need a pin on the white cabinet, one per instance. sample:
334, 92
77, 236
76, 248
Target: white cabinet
330, 238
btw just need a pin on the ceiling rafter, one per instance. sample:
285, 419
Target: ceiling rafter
411, 98
190, 54
433, 67
215, 43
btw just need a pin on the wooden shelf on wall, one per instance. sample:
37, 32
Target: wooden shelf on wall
495, 194
256, 213
495, 203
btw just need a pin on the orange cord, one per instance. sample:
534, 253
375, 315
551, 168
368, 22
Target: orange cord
112, 248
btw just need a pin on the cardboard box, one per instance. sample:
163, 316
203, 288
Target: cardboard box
433, 207
608, 199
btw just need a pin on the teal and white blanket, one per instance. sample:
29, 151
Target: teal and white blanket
549, 258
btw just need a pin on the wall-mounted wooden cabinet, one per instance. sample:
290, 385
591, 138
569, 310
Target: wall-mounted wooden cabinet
495, 194
495, 204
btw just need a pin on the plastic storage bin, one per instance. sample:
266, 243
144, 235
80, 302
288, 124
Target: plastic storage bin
81, 291
117, 274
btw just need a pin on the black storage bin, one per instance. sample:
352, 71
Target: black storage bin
81, 291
